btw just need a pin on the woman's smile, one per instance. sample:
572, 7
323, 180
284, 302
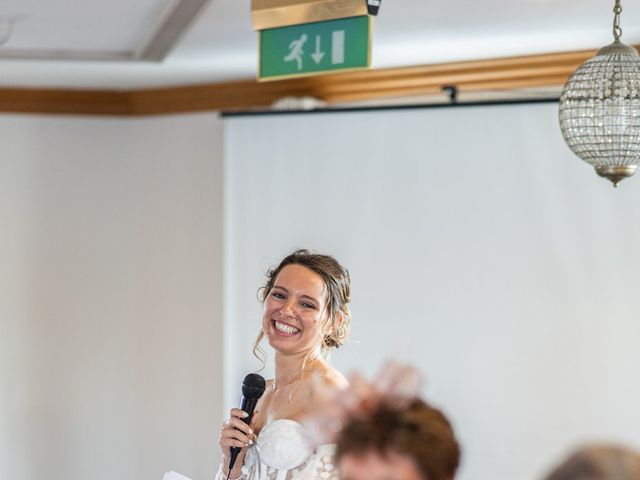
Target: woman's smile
284, 329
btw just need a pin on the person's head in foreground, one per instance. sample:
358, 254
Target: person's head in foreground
412, 441
599, 462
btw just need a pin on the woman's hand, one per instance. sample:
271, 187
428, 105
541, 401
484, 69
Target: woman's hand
236, 433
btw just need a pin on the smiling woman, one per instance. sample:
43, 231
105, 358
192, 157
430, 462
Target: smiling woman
305, 315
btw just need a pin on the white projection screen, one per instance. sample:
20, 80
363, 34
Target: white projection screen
481, 250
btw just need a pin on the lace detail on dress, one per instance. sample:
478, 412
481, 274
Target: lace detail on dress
319, 467
284, 451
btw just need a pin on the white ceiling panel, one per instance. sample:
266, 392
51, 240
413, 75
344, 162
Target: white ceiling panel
95, 30
89, 25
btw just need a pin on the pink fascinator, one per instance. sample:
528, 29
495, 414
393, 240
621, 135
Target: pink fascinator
395, 386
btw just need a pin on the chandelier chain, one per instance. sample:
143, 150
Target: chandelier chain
617, 31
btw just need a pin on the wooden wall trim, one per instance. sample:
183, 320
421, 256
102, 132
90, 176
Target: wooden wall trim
61, 101
480, 75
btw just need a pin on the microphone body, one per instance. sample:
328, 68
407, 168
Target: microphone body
253, 387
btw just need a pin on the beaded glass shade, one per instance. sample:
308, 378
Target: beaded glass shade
600, 108
600, 111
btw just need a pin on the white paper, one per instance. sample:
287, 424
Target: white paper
174, 476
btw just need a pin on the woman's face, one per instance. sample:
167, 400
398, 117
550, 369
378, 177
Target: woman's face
295, 312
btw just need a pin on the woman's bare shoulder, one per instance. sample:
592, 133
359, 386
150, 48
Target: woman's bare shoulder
332, 378
337, 379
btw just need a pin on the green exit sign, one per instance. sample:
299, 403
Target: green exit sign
312, 48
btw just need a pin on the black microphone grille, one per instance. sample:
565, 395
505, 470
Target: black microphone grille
253, 386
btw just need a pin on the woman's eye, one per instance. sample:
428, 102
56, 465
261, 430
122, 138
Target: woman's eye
278, 295
308, 305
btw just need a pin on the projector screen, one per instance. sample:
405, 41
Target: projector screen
480, 249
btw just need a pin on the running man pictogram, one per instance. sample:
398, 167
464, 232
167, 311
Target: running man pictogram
296, 51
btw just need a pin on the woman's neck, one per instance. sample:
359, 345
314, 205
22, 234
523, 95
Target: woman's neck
290, 367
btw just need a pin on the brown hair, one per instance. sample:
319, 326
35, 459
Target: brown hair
338, 284
419, 431
599, 462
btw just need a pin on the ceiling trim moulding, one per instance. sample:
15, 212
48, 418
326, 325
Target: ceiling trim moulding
171, 25
497, 75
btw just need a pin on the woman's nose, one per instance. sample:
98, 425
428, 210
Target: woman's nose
288, 307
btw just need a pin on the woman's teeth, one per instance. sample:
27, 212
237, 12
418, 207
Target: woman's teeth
284, 328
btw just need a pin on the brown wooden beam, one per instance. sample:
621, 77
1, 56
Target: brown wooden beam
217, 96
63, 101
511, 73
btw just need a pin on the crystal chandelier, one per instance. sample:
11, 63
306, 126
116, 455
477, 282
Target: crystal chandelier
600, 109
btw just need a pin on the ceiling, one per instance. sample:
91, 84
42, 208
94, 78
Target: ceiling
117, 44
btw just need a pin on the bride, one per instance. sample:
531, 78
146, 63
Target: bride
305, 315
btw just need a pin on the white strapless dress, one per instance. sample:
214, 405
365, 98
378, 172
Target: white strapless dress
284, 451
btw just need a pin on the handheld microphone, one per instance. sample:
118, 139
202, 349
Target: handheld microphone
253, 387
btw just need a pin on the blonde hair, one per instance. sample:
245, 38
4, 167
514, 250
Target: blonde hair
599, 462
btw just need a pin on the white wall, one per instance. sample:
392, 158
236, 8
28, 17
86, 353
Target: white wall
480, 249
110, 297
